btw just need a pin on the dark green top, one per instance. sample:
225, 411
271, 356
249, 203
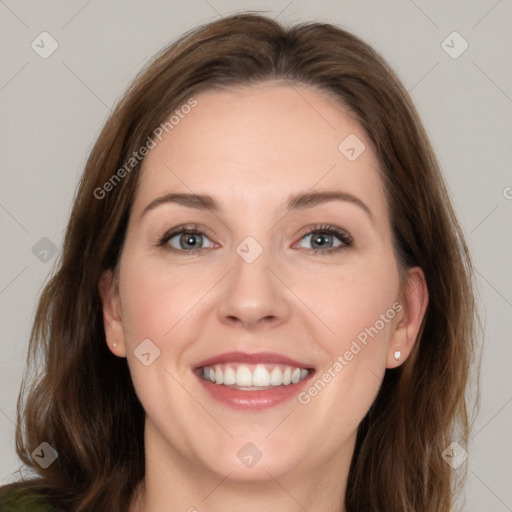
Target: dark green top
23, 500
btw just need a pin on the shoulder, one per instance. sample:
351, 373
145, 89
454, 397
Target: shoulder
23, 499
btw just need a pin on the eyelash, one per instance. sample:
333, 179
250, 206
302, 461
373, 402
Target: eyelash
326, 229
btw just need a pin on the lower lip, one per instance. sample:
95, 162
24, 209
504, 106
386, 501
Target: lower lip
253, 400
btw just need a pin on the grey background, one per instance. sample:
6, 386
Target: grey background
52, 110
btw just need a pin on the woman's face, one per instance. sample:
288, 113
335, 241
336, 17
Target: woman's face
271, 282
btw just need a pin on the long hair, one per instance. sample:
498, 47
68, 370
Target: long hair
81, 400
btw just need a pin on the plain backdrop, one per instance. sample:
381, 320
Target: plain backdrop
53, 108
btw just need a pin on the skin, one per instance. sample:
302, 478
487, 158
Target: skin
252, 148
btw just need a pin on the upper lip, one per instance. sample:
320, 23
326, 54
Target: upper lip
254, 358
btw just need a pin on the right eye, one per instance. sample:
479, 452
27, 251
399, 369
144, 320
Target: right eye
190, 240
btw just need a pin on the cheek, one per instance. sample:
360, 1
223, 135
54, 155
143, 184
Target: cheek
352, 301
155, 300
158, 305
357, 305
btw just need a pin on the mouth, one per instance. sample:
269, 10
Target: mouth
250, 377
252, 381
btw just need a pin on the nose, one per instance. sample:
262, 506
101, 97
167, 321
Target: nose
254, 297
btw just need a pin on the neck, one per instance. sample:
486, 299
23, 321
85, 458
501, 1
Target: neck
175, 484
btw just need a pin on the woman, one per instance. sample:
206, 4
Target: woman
264, 300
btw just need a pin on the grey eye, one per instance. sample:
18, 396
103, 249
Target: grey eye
319, 239
188, 241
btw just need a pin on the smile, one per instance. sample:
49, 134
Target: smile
252, 382
253, 377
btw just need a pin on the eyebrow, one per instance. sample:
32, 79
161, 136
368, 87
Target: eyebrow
299, 201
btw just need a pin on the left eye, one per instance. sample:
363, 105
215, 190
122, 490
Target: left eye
188, 241
321, 239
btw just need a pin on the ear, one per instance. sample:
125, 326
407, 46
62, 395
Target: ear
414, 300
112, 320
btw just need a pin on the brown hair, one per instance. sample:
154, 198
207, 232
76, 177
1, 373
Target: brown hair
83, 403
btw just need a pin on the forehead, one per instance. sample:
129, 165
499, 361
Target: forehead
261, 142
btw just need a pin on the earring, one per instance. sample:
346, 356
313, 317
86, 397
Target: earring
115, 345
397, 355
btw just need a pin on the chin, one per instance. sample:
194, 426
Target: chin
251, 459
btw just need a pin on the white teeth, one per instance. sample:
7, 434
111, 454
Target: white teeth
250, 376
295, 376
243, 376
276, 376
229, 376
260, 376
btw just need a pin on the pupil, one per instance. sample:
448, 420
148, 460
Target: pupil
321, 240
189, 239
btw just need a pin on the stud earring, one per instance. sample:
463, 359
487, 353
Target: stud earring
115, 345
397, 355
